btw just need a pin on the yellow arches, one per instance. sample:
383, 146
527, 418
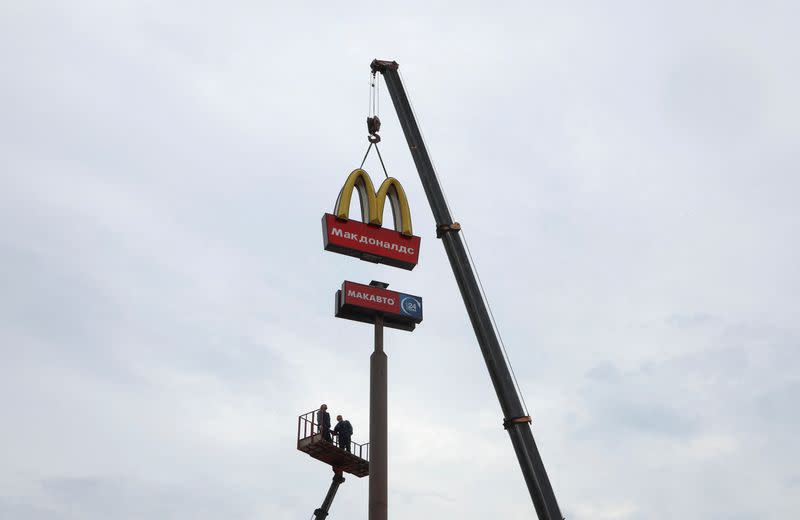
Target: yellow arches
373, 203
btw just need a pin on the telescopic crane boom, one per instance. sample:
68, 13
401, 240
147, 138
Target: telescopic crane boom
515, 421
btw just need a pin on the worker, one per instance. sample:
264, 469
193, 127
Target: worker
324, 422
344, 430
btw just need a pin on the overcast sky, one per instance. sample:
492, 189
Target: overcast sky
626, 174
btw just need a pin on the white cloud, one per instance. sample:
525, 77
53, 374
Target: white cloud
165, 312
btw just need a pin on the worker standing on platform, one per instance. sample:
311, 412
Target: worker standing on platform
345, 431
324, 422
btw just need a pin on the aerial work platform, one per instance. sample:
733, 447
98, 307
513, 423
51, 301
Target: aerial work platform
311, 441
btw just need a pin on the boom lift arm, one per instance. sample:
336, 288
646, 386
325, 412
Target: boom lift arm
322, 511
515, 421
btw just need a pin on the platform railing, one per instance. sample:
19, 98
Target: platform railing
307, 426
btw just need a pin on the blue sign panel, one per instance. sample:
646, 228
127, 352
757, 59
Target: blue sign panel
411, 306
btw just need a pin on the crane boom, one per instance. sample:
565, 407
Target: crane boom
515, 421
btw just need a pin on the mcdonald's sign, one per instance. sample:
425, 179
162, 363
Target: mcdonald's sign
367, 239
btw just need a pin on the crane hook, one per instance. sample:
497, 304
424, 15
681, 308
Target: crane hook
373, 127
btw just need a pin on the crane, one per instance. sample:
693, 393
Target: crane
515, 420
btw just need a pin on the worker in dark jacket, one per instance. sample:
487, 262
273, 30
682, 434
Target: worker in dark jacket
344, 430
324, 422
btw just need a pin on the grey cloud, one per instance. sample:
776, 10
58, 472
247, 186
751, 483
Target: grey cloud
634, 402
22, 511
779, 405
104, 497
697, 319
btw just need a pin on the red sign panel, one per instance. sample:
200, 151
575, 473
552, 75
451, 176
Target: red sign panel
375, 298
361, 302
370, 243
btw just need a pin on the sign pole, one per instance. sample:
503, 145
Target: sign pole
375, 304
378, 428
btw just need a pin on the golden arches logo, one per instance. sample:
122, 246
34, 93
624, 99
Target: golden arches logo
373, 203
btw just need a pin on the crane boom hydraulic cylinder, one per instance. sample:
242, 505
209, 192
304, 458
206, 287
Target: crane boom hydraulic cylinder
515, 420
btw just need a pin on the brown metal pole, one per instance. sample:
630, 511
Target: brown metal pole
378, 429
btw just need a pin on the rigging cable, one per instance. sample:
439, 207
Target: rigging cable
373, 121
371, 85
381, 158
472, 261
494, 324
365, 155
